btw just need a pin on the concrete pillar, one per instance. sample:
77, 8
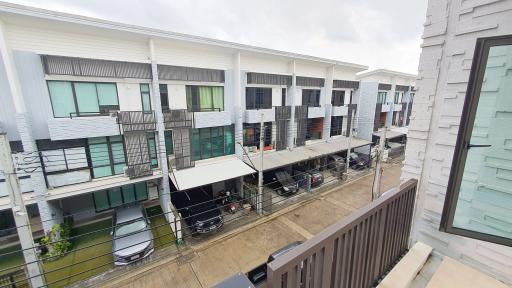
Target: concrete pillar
239, 81
326, 134
165, 190
290, 101
366, 105
407, 100
50, 214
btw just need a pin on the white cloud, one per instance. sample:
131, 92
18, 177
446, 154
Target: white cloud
381, 34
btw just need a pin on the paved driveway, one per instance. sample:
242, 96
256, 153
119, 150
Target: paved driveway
209, 264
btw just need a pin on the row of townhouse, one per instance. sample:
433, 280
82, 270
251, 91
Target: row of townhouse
101, 114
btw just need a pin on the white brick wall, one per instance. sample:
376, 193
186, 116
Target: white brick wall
450, 34
85, 127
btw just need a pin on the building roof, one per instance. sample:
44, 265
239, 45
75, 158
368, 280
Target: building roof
209, 171
277, 159
9, 9
385, 72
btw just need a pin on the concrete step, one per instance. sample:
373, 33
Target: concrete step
454, 274
407, 268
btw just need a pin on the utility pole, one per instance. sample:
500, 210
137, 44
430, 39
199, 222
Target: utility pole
378, 166
19, 212
349, 143
259, 199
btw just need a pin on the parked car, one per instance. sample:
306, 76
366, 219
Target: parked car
359, 161
132, 236
316, 176
259, 274
281, 182
198, 209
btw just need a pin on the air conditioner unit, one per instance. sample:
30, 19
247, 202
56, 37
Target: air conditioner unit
129, 172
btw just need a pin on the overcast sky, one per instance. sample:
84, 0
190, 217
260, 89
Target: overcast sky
377, 33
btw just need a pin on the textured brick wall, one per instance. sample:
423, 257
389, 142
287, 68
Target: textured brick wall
450, 34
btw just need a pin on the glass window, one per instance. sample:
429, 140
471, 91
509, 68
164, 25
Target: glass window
88, 98
164, 97
152, 150
145, 97
311, 97
118, 196
252, 134
381, 97
212, 142
107, 156
205, 98
107, 95
258, 98
283, 97
338, 98
61, 97
168, 142
336, 125
479, 200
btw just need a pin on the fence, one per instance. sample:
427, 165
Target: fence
354, 252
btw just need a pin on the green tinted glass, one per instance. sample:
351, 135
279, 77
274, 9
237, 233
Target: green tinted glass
101, 200
86, 97
107, 94
61, 96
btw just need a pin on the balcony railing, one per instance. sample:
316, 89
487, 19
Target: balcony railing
181, 118
132, 121
354, 252
283, 112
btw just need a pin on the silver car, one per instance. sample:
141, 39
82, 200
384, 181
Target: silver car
132, 235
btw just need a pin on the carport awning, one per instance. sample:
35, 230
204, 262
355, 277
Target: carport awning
272, 160
390, 134
209, 171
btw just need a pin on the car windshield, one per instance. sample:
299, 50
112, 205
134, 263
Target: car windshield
131, 227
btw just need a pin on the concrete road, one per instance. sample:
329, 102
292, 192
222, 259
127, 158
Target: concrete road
210, 263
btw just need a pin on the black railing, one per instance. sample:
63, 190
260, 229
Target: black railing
133, 121
181, 118
354, 252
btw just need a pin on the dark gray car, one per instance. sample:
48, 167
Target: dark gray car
132, 237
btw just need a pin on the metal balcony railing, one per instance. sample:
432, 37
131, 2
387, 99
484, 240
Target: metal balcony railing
137, 121
181, 118
354, 252
283, 112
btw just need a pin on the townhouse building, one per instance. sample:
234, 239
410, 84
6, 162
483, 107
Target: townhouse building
387, 101
102, 114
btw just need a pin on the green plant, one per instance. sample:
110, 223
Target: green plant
56, 241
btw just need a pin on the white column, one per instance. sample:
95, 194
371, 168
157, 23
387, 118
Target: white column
290, 101
164, 193
327, 103
238, 110
19, 212
50, 214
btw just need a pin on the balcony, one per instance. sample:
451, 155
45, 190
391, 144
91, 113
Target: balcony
137, 121
340, 110
316, 112
386, 107
181, 118
397, 107
354, 252
84, 125
254, 115
211, 118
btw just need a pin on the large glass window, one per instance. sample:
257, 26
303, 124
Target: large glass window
258, 98
107, 156
398, 97
381, 97
205, 98
338, 98
479, 198
82, 98
212, 142
145, 97
252, 134
118, 196
311, 97
314, 128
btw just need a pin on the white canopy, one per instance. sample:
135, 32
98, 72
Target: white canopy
209, 171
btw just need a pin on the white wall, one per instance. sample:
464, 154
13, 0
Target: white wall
309, 69
277, 93
449, 38
262, 64
177, 96
178, 54
344, 73
76, 44
129, 96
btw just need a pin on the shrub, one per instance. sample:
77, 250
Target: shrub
56, 241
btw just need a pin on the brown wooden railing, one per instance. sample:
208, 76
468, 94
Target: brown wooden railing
354, 252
